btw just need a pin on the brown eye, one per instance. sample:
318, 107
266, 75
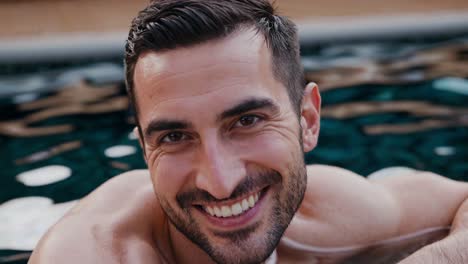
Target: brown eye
174, 137
247, 120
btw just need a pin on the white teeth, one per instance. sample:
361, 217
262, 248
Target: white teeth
217, 212
210, 211
251, 201
236, 209
245, 205
226, 211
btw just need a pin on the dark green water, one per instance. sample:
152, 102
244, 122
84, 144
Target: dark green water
437, 140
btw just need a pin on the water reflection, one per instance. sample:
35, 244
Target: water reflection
384, 104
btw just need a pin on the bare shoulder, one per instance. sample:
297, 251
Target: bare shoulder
110, 225
424, 198
405, 200
329, 183
398, 183
115, 193
344, 208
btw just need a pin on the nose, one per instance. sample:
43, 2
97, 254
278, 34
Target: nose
220, 169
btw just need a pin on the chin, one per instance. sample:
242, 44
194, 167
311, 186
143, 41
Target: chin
248, 237
251, 244
255, 249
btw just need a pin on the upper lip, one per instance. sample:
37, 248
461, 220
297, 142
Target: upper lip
230, 201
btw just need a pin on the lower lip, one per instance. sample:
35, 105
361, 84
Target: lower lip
239, 220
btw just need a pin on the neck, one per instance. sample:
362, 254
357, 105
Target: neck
184, 250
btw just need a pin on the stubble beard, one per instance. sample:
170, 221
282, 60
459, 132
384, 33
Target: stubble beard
245, 246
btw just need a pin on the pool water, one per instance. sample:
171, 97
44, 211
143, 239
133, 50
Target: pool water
401, 103
393, 104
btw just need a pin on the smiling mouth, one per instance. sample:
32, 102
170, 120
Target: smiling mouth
233, 209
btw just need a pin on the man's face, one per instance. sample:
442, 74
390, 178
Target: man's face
222, 143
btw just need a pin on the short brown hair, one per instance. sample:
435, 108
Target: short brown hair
169, 24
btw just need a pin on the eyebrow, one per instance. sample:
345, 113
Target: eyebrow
248, 105
243, 107
162, 125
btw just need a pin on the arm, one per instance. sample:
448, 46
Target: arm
452, 249
428, 199
342, 209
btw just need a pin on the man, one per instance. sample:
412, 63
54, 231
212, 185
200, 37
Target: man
223, 120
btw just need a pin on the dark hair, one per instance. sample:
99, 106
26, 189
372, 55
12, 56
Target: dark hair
169, 24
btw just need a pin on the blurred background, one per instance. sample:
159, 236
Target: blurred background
393, 78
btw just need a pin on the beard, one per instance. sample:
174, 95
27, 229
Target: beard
255, 243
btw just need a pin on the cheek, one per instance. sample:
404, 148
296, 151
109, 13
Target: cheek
273, 150
169, 174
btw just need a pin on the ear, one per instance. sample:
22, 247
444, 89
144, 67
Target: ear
136, 132
310, 116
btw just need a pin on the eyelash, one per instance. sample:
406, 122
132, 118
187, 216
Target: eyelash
165, 136
257, 119
184, 136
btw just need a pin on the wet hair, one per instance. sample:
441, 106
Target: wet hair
169, 24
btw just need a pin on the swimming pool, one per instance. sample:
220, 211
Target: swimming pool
389, 103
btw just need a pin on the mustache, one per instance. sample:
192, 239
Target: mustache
250, 182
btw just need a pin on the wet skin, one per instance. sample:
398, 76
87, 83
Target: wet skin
217, 128
123, 222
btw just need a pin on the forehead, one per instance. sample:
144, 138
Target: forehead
211, 74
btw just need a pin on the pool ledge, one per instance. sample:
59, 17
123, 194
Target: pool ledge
62, 47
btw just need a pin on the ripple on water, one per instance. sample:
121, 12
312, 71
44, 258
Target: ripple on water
452, 84
120, 151
25, 220
44, 176
132, 136
24, 98
444, 151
